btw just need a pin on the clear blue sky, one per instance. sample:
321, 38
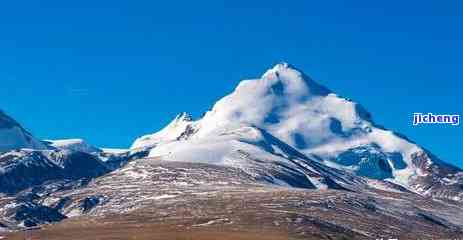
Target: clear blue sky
109, 71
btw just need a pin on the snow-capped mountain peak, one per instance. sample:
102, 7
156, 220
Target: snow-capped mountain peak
177, 129
14, 136
286, 101
307, 116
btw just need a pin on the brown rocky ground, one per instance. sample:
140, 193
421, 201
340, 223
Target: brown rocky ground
184, 201
275, 214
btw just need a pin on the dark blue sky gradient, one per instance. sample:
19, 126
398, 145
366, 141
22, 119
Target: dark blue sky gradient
109, 71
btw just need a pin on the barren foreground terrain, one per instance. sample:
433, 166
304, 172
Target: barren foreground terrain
191, 201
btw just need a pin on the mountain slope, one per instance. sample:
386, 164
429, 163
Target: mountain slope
22, 169
259, 154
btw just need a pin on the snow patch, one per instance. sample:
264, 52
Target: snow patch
74, 145
164, 196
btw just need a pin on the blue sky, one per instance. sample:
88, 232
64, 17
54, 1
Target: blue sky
109, 71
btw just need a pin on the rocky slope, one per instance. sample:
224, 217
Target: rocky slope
153, 199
